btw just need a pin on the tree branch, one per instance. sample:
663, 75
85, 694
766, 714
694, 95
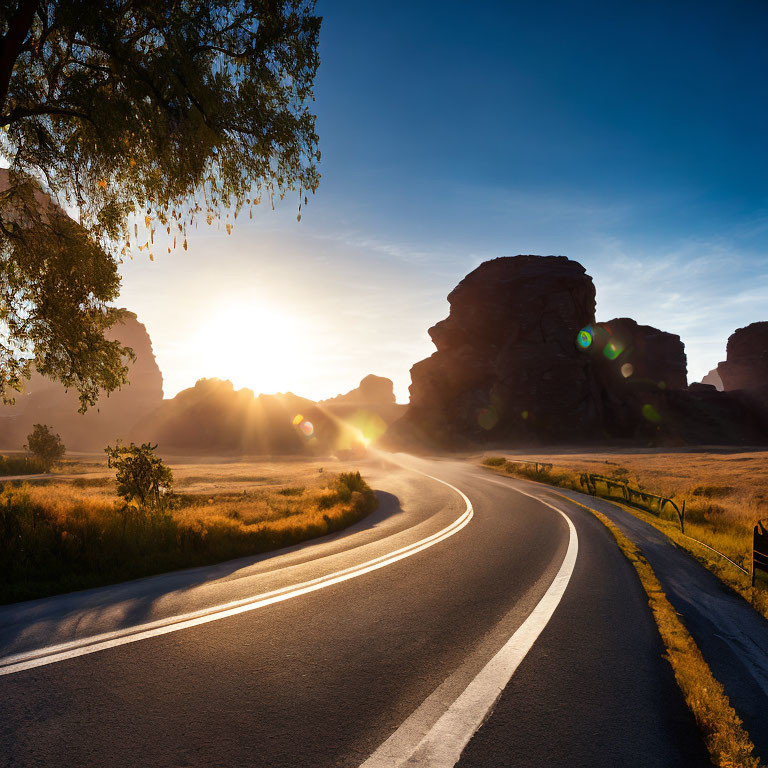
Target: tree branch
13, 43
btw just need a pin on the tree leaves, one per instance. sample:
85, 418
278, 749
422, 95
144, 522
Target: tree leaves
158, 110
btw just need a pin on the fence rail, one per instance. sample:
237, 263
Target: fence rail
650, 502
759, 549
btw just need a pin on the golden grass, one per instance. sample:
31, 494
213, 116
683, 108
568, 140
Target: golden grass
725, 494
69, 534
728, 743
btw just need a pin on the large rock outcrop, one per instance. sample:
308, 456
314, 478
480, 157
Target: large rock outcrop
746, 364
520, 359
45, 401
507, 361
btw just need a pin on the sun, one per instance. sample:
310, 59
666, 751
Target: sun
254, 345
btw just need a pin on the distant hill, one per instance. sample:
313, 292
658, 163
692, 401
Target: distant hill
214, 417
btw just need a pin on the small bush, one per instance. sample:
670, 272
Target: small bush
494, 461
713, 491
297, 491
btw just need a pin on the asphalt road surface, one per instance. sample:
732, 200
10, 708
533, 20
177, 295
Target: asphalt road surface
378, 645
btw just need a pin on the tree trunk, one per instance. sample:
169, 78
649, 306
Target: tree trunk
13, 42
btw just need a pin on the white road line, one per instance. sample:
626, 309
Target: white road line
420, 741
51, 654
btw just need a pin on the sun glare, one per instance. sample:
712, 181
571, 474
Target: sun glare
253, 345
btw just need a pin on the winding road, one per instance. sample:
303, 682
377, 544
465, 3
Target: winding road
466, 620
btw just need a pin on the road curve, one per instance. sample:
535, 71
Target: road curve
329, 676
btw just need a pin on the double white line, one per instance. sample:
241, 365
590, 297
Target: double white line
51, 654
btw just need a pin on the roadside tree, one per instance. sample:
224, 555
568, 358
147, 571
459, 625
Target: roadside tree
142, 477
45, 446
143, 116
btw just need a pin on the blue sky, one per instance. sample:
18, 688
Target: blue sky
631, 137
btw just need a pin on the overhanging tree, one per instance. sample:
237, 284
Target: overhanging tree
143, 115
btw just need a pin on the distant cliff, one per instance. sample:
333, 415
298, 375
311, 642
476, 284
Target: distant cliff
746, 364
46, 401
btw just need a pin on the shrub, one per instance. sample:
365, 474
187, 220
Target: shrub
45, 446
142, 477
494, 461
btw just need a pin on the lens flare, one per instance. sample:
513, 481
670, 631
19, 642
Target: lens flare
585, 337
612, 350
297, 419
627, 370
307, 428
650, 413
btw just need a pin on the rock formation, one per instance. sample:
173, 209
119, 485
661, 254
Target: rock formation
520, 359
213, 417
644, 353
507, 362
46, 401
367, 411
373, 390
714, 380
746, 364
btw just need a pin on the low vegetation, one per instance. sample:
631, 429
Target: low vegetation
62, 535
20, 465
724, 494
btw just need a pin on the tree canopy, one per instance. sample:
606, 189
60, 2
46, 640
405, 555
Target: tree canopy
143, 115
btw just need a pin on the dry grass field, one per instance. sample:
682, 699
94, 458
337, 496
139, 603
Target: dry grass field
72, 531
725, 494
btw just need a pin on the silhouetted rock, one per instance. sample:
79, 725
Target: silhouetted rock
213, 417
507, 361
746, 364
366, 411
520, 359
373, 390
46, 401
644, 352
713, 378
